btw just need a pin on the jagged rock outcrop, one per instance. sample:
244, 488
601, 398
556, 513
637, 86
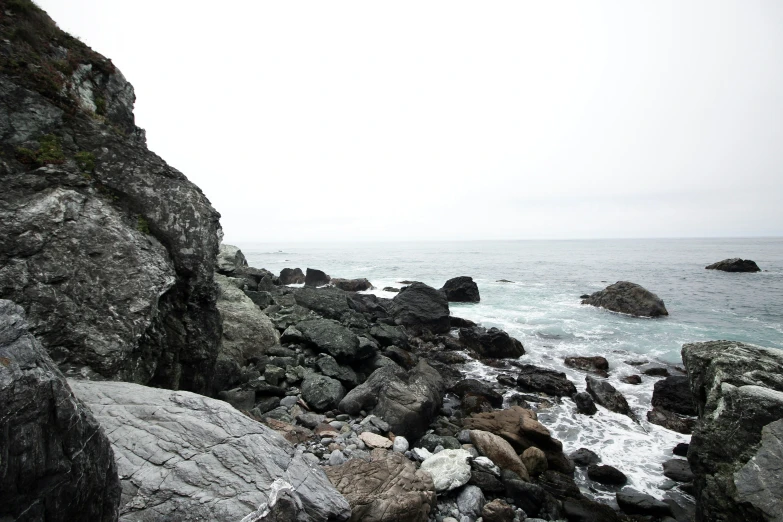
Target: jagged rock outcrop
57, 464
607, 396
494, 343
109, 250
229, 259
461, 290
292, 276
736, 451
247, 332
315, 277
628, 298
735, 264
193, 458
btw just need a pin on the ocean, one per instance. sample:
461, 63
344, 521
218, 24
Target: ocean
541, 307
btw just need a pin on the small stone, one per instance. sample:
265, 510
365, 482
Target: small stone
584, 457
534, 460
400, 444
421, 454
375, 441
336, 458
485, 465
470, 501
289, 401
449, 469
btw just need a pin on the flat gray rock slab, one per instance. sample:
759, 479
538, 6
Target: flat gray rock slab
187, 457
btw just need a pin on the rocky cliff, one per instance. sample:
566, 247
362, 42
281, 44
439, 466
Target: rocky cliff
109, 250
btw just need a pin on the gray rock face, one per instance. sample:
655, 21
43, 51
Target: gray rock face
331, 303
607, 396
674, 394
322, 393
229, 259
247, 332
419, 306
735, 265
628, 298
493, 343
57, 463
461, 290
738, 390
388, 489
110, 251
333, 338
186, 457
408, 401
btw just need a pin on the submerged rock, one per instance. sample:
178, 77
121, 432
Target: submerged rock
388, 489
57, 463
461, 290
628, 298
179, 452
735, 265
735, 451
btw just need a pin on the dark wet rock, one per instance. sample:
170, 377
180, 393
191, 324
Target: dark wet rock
494, 343
461, 290
407, 282
388, 335
331, 368
656, 371
420, 307
480, 388
605, 474
584, 457
265, 404
408, 401
487, 482
243, 400
628, 298
738, 390
585, 510
530, 497
315, 277
632, 379
584, 296
352, 285
559, 485
635, 503
57, 463
584, 403
331, 303
671, 420
678, 469
681, 449
322, 393
459, 322
735, 265
538, 379
607, 396
390, 289
431, 441
402, 357
335, 339
260, 299
178, 452
387, 489
229, 258
292, 276
596, 364
674, 394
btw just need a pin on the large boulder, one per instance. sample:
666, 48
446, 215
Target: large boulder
387, 489
335, 339
461, 290
331, 303
407, 401
538, 379
322, 393
247, 333
628, 298
493, 343
186, 457
57, 463
674, 394
736, 453
314, 277
229, 259
607, 396
499, 451
110, 251
449, 468
735, 264
292, 276
419, 307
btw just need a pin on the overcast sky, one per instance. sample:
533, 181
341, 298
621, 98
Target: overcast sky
315, 120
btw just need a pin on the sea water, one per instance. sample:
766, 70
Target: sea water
541, 307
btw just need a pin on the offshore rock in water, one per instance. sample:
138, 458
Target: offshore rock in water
292, 276
628, 298
315, 277
57, 463
607, 396
352, 285
736, 451
493, 343
420, 307
461, 290
735, 265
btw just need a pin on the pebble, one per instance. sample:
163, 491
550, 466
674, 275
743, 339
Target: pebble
289, 401
336, 458
400, 444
